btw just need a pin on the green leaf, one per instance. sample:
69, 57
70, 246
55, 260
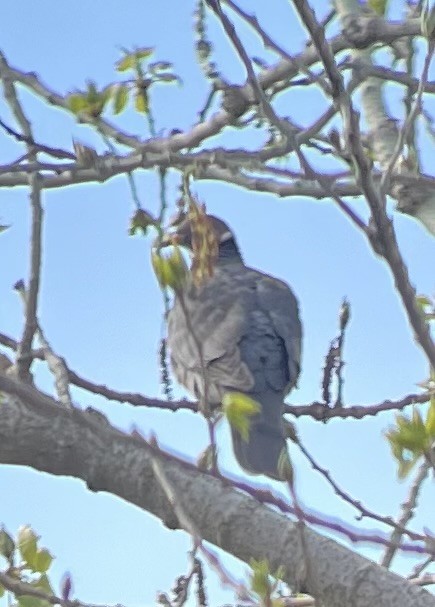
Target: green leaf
430, 418
379, 6
31, 601
120, 99
126, 63
77, 102
91, 101
27, 541
7, 545
405, 459
43, 583
106, 93
285, 467
158, 66
417, 420
406, 465
423, 301
96, 100
260, 582
141, 102
413, 438
130, 60
2, 591
140, 222
238, 409
92, 93
170, 270
144, 52
43, 560
409, 441
168, 78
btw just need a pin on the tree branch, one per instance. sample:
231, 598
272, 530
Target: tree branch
408, 508
30, 324
383, 240
76, 444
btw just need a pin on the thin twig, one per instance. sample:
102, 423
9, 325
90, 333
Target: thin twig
181, 588
274, 46
260, 96
315, 410
420, 567
408, 508
364, 512
30, 322
56, 152
284, 127
55, 363
225, 577
20, 588
425, 580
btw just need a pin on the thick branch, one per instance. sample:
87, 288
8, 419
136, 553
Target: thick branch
82, 444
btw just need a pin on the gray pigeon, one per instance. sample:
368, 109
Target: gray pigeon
250, 334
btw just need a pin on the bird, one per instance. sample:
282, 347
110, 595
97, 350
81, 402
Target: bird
247, 337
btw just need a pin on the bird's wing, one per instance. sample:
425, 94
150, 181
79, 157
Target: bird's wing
220, 314
209, 322
276, 298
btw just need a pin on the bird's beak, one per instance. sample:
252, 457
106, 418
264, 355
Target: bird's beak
170, 237
177, 234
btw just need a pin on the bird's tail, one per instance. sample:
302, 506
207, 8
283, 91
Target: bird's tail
260, 453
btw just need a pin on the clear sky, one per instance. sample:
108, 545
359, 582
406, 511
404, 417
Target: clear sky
101, 307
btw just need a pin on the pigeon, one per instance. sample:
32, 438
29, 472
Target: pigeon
246, 338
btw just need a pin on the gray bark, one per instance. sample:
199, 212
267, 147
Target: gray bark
36, 431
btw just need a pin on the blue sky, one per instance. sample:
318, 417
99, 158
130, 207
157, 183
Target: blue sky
101, 307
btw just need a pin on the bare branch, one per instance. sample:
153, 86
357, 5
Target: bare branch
383, 241
366, 70
30, 325
408, 509
399, 528
40, 147
322, 412
55, 363
424, 580
19, 588
269, 43
316, 410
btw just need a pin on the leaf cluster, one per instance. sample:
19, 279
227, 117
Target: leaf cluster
27, 563
412, 438
94, 101
263, 584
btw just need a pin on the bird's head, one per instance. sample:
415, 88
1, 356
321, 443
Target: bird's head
193, 232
